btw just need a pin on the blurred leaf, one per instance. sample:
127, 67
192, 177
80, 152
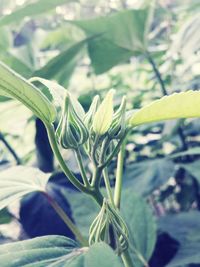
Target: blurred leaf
5, 216
120, 36
190, 151
185, 228
178, 105
16, 182
14, 86
56, 251
30, 10
36, 211
142, 227
146, 176
62, 66
193, 169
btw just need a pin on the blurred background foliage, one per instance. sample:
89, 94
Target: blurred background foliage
144, 49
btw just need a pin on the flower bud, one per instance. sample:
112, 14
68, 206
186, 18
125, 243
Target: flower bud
88, 119
109, 227
118, 126
104, 115
71, 131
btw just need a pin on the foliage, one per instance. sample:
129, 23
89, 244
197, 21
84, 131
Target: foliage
124, 181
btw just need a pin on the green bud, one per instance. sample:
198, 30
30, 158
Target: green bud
109, 227
71, 131
118, 125
88, 119
104, 115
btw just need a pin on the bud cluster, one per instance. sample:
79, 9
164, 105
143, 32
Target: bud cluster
109, 227
90, 130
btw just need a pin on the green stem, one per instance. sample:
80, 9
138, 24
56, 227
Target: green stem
108, 187
67, 221
68, 173
119, 174
10, 149
126, 258
81, 167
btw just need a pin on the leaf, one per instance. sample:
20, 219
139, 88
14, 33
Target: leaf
14, 86
121, 36
5, 216
30, 10
178, 105
16, 182
190, 151
193, 169
56, 251
36, 211
183, 227
142, 227
63, 64
146, 176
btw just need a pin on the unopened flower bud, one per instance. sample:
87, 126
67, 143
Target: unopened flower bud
104, 115
71, 131
118, 126
109, 227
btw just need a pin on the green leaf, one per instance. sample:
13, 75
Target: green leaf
5, 216
142, 227
14, 86
30, 10
56, 251
193, 169
62, 66
183, 227
16, 182
146, 176
121, 36
178, 105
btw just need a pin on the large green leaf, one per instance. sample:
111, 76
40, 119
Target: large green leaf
33, 9
178, 105
16, 182
146, 176
185, 228
14, 86
193, 169
142, 227
120, 36
62, 66
56, 251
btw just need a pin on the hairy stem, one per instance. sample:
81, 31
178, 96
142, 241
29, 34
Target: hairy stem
126, 258
81, 167
108, 187
67, 172
119, 174
67, 221
10, 149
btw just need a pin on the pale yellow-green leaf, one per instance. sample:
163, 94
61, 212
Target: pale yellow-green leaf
175, 106
104, 115
15, 86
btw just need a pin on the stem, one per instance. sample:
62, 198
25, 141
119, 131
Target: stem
108, 187
119, 174
157, 73
68, 173
81, 167
11, 150
67, 220
126, 258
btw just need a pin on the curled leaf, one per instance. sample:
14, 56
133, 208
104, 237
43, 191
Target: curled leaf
15, 86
